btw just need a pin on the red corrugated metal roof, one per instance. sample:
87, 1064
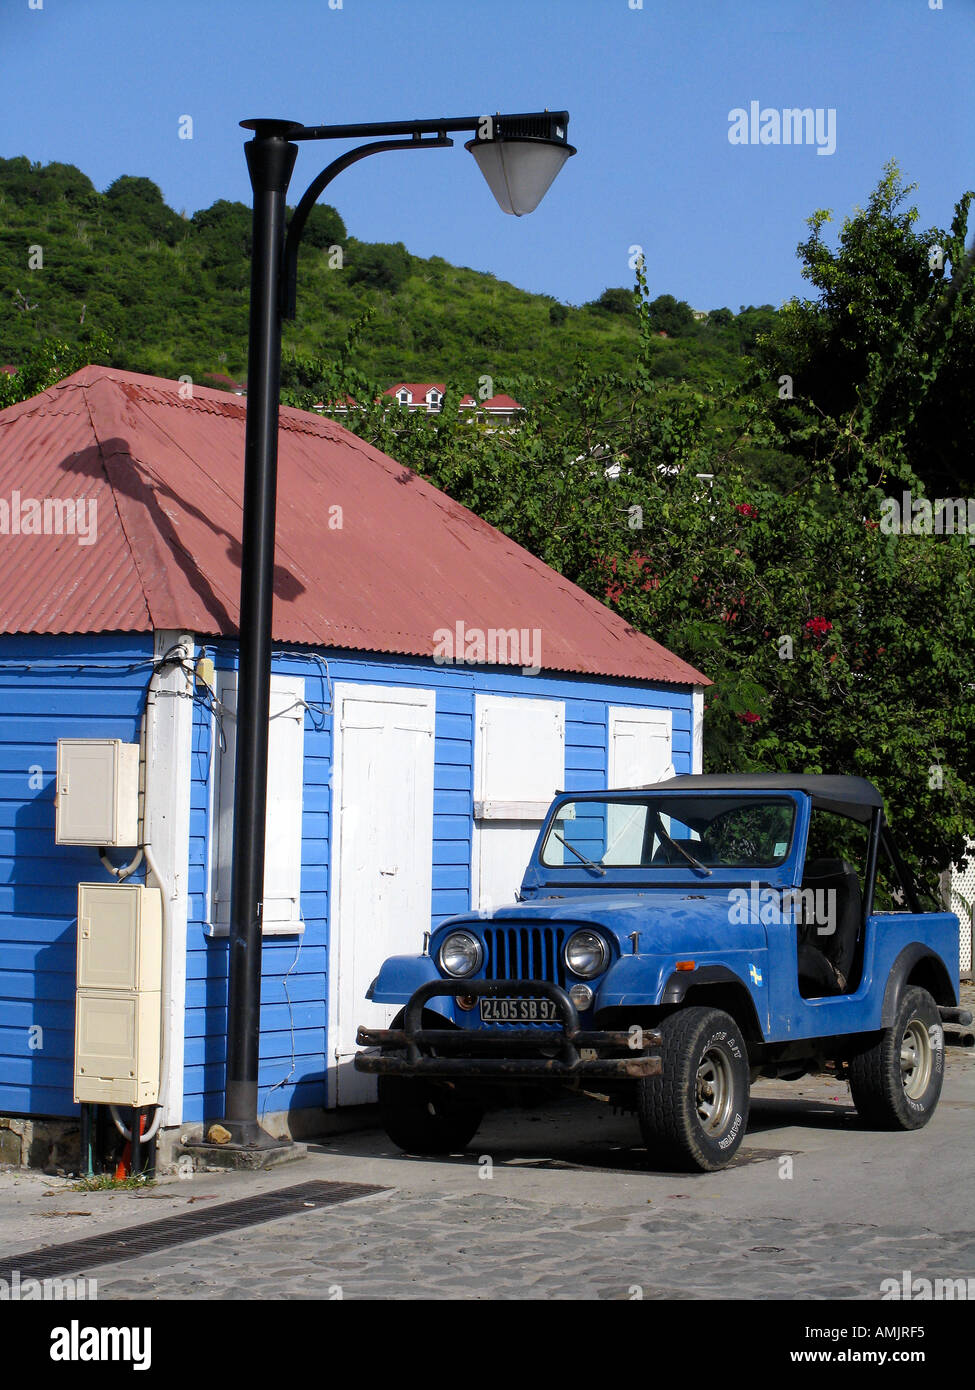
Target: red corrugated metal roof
166, 473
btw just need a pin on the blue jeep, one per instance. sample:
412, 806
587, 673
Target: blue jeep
670, 945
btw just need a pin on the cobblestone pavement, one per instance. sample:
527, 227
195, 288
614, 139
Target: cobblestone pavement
559, 1205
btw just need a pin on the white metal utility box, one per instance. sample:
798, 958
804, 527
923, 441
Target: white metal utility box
97, 792
117, 1017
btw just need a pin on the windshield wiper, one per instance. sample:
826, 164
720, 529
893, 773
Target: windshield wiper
694, 863
596, 868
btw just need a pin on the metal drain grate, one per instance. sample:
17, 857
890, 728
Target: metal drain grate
76, 1256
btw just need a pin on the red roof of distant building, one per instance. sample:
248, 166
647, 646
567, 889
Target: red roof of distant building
418, 390
166, 473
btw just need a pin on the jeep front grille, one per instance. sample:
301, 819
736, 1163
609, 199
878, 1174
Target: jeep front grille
525, 953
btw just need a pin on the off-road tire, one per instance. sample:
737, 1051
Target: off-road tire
423, 1118
896, 1082
693, 1115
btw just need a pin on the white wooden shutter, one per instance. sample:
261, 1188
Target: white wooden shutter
640, 746
282, 858
519, 765
640, 754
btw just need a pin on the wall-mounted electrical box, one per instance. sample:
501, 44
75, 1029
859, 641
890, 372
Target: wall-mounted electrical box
116, 1047
97, 792
117, 1017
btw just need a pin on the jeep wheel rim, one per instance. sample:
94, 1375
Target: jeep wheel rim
915, 1059
713, 1091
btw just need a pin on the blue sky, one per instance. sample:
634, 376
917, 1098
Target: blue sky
103, 83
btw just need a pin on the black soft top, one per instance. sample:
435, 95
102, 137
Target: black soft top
845, 796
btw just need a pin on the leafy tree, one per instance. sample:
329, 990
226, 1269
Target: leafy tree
378, 265
324, 228
139, 202
50, 362
665, 314
615, 301
890, 341
225, 232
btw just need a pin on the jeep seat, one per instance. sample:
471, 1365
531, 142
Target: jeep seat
839, 948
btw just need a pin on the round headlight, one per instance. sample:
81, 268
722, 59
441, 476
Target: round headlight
461, 953
586, 954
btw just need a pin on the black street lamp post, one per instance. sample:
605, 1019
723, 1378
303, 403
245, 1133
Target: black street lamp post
519, 156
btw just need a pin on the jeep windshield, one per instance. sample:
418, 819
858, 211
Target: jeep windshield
697, 833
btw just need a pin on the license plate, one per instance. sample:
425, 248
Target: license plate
519, 1011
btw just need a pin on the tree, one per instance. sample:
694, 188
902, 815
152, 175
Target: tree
324, 228
378, 265
139, 202
890, 341
669, 315
615, 301
50, 362
224, 232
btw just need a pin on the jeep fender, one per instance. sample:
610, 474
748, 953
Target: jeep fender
933, 975
400, 976
633, 982
714, 978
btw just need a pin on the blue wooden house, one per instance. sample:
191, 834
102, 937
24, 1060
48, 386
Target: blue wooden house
433, 685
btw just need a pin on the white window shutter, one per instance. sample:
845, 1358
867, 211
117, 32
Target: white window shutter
281, 911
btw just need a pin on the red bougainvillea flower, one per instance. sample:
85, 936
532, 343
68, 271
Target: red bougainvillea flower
746, 509
820, 626
750, 717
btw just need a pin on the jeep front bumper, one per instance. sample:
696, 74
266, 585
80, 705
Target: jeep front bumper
505, 1053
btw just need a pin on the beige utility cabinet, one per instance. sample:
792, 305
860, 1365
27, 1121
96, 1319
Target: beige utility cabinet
97, 792
117, 1016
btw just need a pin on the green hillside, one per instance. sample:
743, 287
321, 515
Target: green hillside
171, 292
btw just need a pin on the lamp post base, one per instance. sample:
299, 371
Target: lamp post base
241, 1144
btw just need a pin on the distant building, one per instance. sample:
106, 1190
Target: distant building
428, 396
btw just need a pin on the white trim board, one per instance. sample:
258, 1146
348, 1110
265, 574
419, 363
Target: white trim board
168, 766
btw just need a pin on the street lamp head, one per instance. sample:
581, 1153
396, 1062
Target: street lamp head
520, 157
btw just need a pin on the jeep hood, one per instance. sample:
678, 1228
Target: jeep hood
661, 917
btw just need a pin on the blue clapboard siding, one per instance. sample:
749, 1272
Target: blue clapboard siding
50, 688
292, 1073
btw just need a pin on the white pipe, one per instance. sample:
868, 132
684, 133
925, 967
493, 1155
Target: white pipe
165, 992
